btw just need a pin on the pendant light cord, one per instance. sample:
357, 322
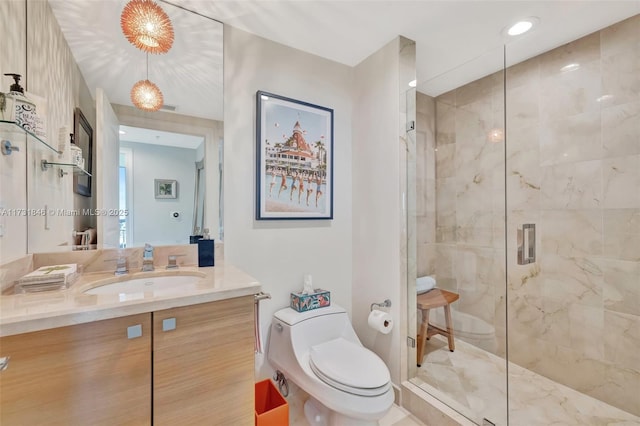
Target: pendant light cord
147, 66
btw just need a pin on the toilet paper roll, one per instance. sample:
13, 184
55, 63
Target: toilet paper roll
380, 321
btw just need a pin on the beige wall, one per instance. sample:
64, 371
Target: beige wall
357, 254
378, 250
52, 74
13, 243
279, 253
573, 169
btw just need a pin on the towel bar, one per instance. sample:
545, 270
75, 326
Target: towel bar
261, 296
256, 319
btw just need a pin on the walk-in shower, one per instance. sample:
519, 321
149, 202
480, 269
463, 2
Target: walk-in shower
539, 157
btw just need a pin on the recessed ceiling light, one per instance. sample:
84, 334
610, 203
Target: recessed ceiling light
519, 27
413, 83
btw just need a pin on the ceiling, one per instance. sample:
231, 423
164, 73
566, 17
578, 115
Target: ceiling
456, 41
189, 75
158, 137
452, 34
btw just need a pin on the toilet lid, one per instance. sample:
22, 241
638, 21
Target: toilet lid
350, 367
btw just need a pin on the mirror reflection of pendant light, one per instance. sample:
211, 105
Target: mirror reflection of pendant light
147, 26
145, 95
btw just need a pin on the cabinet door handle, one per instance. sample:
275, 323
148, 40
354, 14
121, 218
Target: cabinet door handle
168, 324
4, 362
134, 331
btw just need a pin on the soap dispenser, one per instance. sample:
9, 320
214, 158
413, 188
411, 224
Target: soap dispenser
16, 107
206, 249
76, 153
193, 239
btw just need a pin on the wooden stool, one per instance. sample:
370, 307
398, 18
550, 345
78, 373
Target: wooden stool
434, 299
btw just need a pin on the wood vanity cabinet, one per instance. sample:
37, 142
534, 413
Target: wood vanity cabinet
86, 374
203, 370
192, 365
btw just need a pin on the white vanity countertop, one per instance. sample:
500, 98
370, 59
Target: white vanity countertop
24, 313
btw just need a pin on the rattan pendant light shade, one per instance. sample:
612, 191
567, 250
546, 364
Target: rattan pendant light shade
147, 26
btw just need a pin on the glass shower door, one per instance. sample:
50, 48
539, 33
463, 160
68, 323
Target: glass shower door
528, 208
573, 171
460, 227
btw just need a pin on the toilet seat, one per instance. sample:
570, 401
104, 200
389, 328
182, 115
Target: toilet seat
349, 367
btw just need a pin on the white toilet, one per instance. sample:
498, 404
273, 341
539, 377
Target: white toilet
320, 352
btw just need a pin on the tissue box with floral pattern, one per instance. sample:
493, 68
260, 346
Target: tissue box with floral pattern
306, 302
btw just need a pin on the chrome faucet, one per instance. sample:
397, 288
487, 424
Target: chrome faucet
147, 258
121, 266
172, 262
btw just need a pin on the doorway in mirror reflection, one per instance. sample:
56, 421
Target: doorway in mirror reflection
145, 157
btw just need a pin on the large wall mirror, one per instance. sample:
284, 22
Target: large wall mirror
180, 143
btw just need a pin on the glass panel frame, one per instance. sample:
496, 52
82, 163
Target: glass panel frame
459, 171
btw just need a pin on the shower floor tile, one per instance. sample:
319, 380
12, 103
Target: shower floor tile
473, 382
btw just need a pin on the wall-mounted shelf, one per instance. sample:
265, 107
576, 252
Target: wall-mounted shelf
76, 170
12, 126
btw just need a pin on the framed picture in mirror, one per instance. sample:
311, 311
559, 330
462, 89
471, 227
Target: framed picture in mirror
294, 170
83, 138
166, 188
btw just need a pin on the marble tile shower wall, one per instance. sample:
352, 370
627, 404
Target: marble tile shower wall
573, 169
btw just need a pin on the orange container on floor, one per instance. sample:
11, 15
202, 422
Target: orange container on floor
271, 407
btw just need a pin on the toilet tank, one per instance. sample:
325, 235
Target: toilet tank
293, 333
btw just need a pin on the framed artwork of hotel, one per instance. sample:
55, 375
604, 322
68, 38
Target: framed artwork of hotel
294, 160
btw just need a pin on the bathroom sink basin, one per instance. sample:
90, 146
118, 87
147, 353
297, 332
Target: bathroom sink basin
159, 284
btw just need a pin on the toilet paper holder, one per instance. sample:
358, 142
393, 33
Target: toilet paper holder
385, 304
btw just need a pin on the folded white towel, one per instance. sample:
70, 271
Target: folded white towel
48, 274
424, 284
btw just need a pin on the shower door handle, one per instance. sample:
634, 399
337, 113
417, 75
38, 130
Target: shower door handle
527, 244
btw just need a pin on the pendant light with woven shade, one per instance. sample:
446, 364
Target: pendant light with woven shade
146, 25
146, 95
